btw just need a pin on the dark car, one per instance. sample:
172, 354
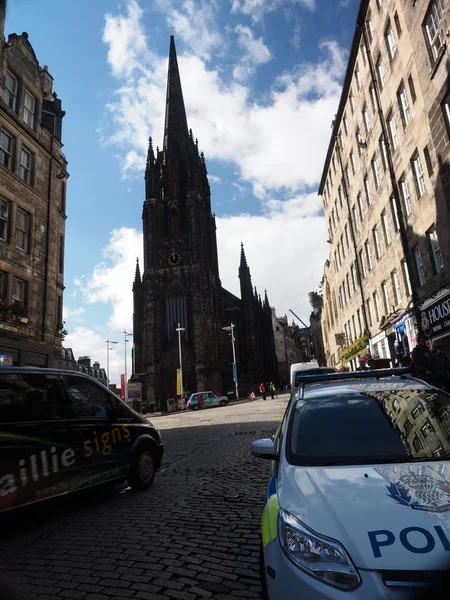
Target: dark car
62, 431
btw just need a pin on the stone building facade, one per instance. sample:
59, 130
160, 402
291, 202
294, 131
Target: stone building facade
291, 345
33, 174
180, 283
386, 186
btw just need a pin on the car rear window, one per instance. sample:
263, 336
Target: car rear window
28, 397
368, 427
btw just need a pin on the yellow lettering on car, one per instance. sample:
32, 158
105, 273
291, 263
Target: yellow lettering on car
88, 448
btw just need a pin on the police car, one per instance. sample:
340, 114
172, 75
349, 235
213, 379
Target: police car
358, 503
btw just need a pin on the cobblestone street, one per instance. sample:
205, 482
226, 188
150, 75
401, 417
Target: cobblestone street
193, 534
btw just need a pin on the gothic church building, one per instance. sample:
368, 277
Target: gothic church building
180, 282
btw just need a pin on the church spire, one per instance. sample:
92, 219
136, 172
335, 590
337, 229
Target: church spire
150, 175
243, 258
266, 300
176, 135
244, 277
150, 154
137, 276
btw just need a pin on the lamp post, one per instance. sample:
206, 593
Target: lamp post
179, 330
126, 335
233, 340
108, 342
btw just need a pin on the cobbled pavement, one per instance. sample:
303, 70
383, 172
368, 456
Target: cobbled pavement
193, 534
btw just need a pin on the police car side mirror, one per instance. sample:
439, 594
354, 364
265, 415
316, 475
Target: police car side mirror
265, 448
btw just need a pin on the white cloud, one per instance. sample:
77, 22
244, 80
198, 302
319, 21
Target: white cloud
196, 23
285, 138
256, 9
74, 314
256, 53
85, 342
111, 281
126, 39
214, 178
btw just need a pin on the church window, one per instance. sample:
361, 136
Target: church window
176, 312
174, 221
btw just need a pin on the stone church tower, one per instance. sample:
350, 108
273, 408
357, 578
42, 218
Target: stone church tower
180, 282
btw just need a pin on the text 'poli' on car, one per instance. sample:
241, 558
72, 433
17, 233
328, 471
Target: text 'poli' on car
62, 431
206, 400
358, 503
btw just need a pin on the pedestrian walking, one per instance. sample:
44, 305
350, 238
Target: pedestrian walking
441, 364
422, 365
262, 389
272, 389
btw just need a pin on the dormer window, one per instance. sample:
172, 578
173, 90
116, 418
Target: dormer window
11, 87
29, 108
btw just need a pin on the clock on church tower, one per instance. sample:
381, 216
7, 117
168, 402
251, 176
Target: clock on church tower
174, 258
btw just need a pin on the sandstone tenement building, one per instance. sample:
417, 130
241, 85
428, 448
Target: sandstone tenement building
386, 186
33, 174
180, 282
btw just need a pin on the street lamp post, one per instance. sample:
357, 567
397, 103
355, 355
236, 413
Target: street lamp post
108, 342
179, 330
126, 335
233, 340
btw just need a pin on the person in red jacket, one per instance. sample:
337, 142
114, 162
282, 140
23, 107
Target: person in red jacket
262, 389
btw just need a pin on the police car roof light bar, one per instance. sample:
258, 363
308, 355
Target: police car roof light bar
375, 374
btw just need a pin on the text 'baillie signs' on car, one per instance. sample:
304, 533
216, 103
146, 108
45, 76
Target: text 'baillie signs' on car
62, 431
358, 503
206, 400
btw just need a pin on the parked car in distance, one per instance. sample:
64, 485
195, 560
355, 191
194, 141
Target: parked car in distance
206, 400
63, 431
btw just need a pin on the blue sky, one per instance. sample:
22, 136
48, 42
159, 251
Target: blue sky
261, 80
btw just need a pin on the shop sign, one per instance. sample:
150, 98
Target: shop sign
377, 339
435, 319
135, 390
340, 339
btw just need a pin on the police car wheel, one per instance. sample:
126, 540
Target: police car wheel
262, 573
222, 403
195, 407
142, 471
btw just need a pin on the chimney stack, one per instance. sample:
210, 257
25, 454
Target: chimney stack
46, 81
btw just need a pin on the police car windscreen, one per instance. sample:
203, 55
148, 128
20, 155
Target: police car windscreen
300, 374
370, 426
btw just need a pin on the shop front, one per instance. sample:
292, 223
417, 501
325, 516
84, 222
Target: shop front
379, 347
405, 337
18, 342
435, 319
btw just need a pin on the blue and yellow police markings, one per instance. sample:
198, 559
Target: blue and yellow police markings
270, 512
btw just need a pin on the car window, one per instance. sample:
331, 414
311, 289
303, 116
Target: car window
88, 398
210, 395
379, 425
29, 397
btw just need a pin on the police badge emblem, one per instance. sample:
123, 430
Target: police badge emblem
421, 492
